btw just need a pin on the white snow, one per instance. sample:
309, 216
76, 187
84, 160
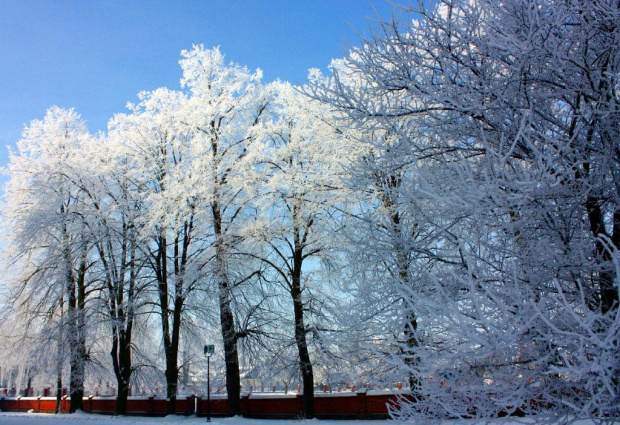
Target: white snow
80, 418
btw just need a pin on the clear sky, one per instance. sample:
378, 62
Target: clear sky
95, 56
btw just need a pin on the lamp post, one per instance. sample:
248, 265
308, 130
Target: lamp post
209, 349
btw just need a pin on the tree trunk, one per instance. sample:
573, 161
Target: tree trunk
411, 356
28, 386
172, 353
410, 341
77, 333
172, 378
161, 271
227, 319
76, 385
172, 331
60, 359
121, 360
123, 371
607, 292
305, 365
59, 392
231, 355
121, 399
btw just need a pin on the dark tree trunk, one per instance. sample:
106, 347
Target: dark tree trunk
171, 330
121, 399
28, 387
77, 337
59, 393
231, 355
76, 386
121, 295
171, 326
172, 378
410, 341
123, 370
172, 358
227, 319
607, 292
121, 360
172, 353
60, 360
171, 373
305, 365
411, 356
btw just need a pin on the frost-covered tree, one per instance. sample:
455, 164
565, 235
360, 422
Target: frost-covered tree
503, 119
386, 245
114, 204
48, 231
161, 166
224, 102
296, 188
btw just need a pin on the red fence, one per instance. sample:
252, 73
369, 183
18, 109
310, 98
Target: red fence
353, 405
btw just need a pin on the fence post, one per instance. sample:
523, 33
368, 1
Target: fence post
362, 404
191, 404
198, 401
151, 407
300, 404
245, 399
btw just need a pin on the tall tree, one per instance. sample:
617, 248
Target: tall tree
298, 167
48, 230
158, 149
497, 110
115, 204
225, 102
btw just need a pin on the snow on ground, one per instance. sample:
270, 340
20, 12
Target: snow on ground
89, 419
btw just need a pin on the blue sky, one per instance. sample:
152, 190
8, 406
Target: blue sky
95, 56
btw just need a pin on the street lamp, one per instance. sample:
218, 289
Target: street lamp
209, 349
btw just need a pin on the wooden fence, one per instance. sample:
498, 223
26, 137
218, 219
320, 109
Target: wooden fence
348, 405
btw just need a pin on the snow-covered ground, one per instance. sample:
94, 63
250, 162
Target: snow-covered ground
84, 418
